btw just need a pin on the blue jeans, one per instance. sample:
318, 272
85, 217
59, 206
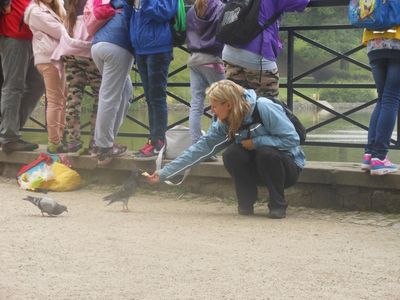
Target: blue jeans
153, 70
387, 79
201, 77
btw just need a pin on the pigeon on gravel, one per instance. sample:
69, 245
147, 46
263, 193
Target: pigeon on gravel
128, 189
47, 205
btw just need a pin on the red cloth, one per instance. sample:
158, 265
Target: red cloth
12, 24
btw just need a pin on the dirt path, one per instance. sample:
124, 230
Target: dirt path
169, 248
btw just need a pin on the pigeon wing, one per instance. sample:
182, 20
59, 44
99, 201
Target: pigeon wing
47, 205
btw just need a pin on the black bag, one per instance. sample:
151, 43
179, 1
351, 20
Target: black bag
238, 23
300, 129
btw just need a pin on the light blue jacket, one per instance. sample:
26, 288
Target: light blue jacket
150, 31
276, 131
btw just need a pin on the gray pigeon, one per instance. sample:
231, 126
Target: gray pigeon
128, 189
47, 205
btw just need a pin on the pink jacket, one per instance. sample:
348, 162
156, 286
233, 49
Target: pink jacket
79, 45
50, 38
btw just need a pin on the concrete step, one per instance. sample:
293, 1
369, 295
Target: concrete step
321, 184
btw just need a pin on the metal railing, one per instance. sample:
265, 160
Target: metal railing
292, 84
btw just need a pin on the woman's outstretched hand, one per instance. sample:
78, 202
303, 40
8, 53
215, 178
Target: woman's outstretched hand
153, 178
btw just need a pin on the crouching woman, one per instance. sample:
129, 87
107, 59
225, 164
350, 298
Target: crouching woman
261, 150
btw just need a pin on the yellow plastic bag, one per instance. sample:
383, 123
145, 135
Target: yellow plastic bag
64, 179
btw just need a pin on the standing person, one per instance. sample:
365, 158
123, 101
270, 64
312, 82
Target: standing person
205, 62
253, 65
265, 152
113, 56
383, 50
151, 38
23, 85
45, 19
80, 72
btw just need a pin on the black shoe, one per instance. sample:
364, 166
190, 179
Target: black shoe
277, 213
19, 145
245, 211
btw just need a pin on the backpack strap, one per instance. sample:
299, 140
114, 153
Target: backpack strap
256, 118
269, 22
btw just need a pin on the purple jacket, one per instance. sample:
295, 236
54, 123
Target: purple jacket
267, 44
200, 32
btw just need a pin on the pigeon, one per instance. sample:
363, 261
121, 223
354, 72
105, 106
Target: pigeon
128, 189
47, 205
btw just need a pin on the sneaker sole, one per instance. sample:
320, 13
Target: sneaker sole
382, 171
365, 167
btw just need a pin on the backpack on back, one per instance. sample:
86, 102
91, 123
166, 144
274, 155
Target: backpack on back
374, 14
238, 23
178, 25
300, 129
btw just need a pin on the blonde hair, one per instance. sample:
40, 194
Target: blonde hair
227, 91
71, 16
55, 6
200, 7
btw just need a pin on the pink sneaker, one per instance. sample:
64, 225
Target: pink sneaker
382, 167
366, 162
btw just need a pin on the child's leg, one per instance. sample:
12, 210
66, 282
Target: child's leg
22, 87
389, 107
76, 80
114, 63
198, 84
157, 94
94, 78
56, 98
239, 162
127, 93
200, 78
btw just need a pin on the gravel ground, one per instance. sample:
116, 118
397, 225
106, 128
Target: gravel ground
191, 247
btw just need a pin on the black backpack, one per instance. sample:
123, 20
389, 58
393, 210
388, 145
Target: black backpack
300, 129
238, 23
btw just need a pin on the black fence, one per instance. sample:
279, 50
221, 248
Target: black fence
293, 83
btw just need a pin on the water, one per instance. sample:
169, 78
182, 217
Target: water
339, 131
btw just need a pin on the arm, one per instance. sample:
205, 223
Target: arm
46, 23
214, 141
160, 10
6, 9
282, 134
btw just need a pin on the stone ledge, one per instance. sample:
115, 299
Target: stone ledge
327, 173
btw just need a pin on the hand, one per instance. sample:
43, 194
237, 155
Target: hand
154, 178
247, 144
6, 9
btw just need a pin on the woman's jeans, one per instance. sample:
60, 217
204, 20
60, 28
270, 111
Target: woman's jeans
386, 74
153, 70
201, 77
265, 166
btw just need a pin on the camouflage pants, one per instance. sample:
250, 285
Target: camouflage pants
265, 83
80, 72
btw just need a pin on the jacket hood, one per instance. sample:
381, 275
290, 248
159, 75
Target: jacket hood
212, 14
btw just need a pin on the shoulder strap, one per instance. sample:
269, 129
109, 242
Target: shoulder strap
271, 20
